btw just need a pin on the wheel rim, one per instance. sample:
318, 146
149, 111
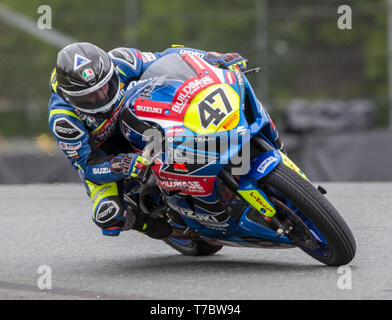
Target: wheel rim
304, 234
183, 242
323, 250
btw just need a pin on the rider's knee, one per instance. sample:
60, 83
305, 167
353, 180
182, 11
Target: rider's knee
109, 215
108, 207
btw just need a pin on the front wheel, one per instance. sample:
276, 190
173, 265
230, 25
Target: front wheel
335, 244
193, 247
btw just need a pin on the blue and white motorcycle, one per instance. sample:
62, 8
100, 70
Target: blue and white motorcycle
222, 175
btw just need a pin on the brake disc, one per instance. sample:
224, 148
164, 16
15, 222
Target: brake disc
297, 231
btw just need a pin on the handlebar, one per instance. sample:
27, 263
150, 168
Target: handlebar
256, 69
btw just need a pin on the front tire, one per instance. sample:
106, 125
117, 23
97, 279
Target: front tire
320, 212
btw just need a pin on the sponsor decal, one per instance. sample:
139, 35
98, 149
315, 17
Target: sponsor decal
80, 61
184, 211
265, 164
214, 220
195, 185
148, 109
133, 84
70, 146
148, 89
199, 64
151, 109
230, 78
138, 54
106, 211
175, 130
88, 74
115, 165
99, 193
241, 81
195, 53
148, 56
180, 167
65, 129
81, 115
231, 121
287, 162
72, 154
258, 202
190, 186
173, 182
241, 130
125, 129
188, 90
90, 121
207, 219
101, 170
262, 203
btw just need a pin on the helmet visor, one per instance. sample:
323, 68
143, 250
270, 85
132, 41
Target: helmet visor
98, 101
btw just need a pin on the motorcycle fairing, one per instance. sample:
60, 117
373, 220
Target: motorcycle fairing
165, 103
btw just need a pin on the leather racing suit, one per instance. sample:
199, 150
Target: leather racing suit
90, 144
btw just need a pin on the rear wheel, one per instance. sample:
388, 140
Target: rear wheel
320, 231
193, 247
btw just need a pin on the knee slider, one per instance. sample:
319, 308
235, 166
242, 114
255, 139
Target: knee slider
108, 207
109, 213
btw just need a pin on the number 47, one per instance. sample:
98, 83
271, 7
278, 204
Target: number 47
214, 115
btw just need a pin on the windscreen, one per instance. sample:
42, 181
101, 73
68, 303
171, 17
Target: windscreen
172, 67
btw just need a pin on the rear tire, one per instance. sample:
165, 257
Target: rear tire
193, 247
318, 210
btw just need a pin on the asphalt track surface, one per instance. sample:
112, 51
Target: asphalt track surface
51, 225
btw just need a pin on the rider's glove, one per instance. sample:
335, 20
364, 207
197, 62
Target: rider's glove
232, 61
129, 164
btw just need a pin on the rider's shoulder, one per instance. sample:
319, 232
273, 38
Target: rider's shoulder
58, 108
127, 59
64, 122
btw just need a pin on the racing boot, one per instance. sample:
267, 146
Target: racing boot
154, 227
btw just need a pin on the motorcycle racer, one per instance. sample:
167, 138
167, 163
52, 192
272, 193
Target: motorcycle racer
88, 89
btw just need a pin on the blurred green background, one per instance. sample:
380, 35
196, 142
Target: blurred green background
302, 52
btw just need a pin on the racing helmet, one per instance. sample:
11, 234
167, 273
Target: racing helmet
88, 79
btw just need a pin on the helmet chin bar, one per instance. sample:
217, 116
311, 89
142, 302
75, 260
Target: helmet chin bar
106, 115
99, 115
105, 111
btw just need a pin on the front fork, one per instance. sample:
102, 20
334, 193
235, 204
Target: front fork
274, 212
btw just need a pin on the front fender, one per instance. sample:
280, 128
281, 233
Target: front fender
260, 166
263, 164
288, 163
